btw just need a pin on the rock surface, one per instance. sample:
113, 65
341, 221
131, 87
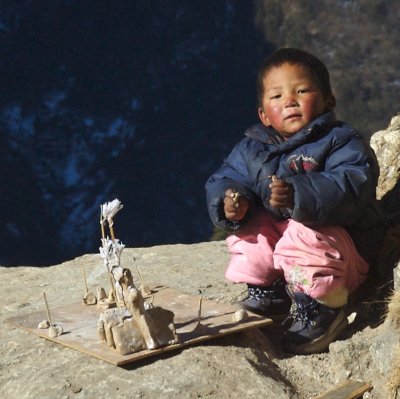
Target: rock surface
386, 144
32, 367
242, 365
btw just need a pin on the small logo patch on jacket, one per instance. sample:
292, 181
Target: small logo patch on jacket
301, 163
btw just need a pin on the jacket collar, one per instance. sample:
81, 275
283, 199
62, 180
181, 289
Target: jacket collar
268, 135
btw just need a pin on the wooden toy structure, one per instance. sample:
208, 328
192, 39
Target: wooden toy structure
131, 322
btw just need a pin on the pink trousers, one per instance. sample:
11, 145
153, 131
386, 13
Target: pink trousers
314, 261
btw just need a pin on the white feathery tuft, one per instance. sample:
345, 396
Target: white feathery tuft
106, 250
109, 210
118, 247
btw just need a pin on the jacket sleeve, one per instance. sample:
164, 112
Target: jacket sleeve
233, 174
341, 192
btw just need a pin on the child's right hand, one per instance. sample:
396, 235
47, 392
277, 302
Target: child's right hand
235, 206
282, 195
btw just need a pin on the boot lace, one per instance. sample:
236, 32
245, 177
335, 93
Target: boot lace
303, 313
273, 291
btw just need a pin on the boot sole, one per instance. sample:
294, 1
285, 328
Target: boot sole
320, 344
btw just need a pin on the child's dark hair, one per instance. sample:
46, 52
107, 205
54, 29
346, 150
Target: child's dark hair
294, 56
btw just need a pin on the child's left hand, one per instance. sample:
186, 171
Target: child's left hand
282, 195
235, 205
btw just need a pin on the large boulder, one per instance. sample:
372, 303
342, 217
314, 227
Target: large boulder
386, 144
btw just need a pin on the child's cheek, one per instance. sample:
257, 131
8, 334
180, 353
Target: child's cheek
274, 116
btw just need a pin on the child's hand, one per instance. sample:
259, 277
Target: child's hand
282, 195
235, 206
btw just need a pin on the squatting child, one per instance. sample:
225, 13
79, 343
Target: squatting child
294, 192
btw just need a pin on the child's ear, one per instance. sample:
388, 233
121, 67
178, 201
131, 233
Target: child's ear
263, 117
331, 103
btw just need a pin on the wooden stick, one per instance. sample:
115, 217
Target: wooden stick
103, 235
84, 279
200, 328
200, 304
347, 390
111, 277
144, 288
140, 274
199, 313
47, 309
112, 232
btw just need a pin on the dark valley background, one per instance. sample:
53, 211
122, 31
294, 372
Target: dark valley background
141, 100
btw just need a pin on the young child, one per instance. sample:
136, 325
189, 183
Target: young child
293, 193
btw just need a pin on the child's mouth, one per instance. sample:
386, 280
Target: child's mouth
293, 116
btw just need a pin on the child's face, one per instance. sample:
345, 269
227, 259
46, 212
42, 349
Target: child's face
291, 99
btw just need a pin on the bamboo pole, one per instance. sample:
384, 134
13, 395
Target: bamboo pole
47, 309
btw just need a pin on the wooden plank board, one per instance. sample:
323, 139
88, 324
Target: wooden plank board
79, 323
347, 390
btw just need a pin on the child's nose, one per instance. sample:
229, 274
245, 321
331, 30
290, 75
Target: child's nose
290, 100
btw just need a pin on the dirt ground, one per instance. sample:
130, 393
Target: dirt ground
249, 364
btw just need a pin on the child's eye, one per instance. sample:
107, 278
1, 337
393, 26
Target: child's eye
302, 91
275, 96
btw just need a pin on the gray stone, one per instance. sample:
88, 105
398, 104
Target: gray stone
386, 144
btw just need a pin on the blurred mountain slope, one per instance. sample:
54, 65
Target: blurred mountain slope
136, 100
141, 100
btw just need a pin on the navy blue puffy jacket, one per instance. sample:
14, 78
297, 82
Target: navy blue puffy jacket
333, 171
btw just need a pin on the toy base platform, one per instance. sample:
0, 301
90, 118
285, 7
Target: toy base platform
79, 323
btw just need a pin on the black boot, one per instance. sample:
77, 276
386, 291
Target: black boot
270, 301
314, 325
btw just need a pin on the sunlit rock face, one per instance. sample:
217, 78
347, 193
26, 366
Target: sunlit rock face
386, 144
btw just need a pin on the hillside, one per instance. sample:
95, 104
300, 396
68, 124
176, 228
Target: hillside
141, 100
358, 40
